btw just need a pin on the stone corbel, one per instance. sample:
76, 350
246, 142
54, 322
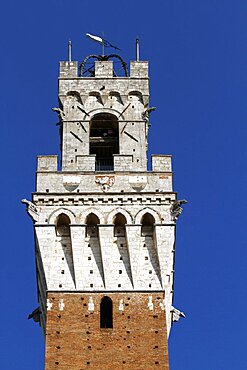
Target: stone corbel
61, 115
176, 208
146, 113
31, 209
176, 314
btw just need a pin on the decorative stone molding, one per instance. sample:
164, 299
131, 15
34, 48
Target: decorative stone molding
90, 304
61, 305
121, 305
141, 213
162, 304
92, 210
83, 199
53, 216
48, 305
125, 213
150, 303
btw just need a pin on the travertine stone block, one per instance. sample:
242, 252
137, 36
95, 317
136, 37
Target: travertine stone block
139, 69
104, 69
68, 69
161, 163
47, 163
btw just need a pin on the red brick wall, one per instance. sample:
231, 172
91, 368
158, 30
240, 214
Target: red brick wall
74, 340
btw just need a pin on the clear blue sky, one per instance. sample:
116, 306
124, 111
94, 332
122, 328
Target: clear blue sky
198, 59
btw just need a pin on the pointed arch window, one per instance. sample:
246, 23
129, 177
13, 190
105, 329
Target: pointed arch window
62, 225
147, 225
106, 312
92, 223
119, 225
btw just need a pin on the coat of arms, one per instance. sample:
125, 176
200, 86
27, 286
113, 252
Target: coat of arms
105, 182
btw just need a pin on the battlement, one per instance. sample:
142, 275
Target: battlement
88, 163
103, 69
47, 163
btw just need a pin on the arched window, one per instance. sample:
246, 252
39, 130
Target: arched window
147, 225
106, 313
92, 225
119, 225
104, 141
62, 225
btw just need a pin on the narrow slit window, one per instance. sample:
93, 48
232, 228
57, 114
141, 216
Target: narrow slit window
106, 313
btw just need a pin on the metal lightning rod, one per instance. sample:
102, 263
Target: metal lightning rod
70, 50
103, 45
137, 50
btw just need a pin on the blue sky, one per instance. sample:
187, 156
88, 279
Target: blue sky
198, 59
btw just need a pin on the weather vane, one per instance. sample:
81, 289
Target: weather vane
102, 41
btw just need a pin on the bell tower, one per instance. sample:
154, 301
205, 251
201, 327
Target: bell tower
105, 226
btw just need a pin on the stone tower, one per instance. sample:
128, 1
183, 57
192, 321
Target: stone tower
104, 226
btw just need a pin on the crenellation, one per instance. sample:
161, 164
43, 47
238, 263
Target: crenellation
161, 163
68, 69
104, 69
47, 163
138, 69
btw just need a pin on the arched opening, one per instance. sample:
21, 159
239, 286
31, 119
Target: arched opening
119, 225
75, 95
104, 141
62, 225
64, 254
92, 225
136, 96
147, 225
106, 313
